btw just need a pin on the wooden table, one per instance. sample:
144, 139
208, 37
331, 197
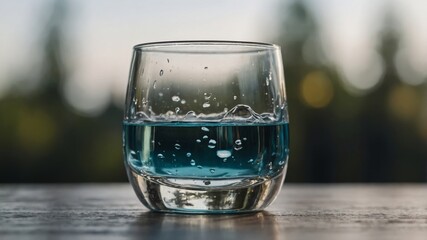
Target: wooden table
112, 211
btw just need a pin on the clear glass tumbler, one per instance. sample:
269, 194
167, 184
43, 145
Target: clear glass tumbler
206, 126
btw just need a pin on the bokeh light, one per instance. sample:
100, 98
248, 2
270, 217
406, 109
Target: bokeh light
317, 90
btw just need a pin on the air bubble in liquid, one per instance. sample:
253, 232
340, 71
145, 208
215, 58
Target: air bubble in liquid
238, 145
223, 153
211, 143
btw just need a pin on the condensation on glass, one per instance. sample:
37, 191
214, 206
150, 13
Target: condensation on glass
206, 126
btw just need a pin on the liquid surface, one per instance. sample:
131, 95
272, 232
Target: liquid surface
206, 151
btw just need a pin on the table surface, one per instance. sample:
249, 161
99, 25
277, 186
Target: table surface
112, 211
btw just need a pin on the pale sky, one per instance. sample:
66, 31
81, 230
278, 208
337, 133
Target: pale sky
101, 34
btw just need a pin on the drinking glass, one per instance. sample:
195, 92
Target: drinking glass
206, 126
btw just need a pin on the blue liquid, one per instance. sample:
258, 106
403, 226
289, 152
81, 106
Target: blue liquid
206, 151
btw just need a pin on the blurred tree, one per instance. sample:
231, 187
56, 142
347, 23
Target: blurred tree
310, 90
43, 140
392, 150
337, 137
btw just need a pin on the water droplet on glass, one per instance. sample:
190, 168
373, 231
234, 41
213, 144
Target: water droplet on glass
183, 101
176, 98
154, 84
212, 141
205, 129
167, 59
207, 96
206, 182
160, 155
235, 97
206, 67
161, 72
188, 154
244, 139
206, 105
160, 94
205, 137
168, 172
238, 145
250, 160
173, 155
270, 166
192, 162
281, 162
177, 146
212, 170
199, 167
224, 160
223, 153
177, 110
198, 140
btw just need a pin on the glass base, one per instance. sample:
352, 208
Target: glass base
163, 195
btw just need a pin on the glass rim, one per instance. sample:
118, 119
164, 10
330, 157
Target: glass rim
206, 46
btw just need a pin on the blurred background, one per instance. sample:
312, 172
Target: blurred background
356, 74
